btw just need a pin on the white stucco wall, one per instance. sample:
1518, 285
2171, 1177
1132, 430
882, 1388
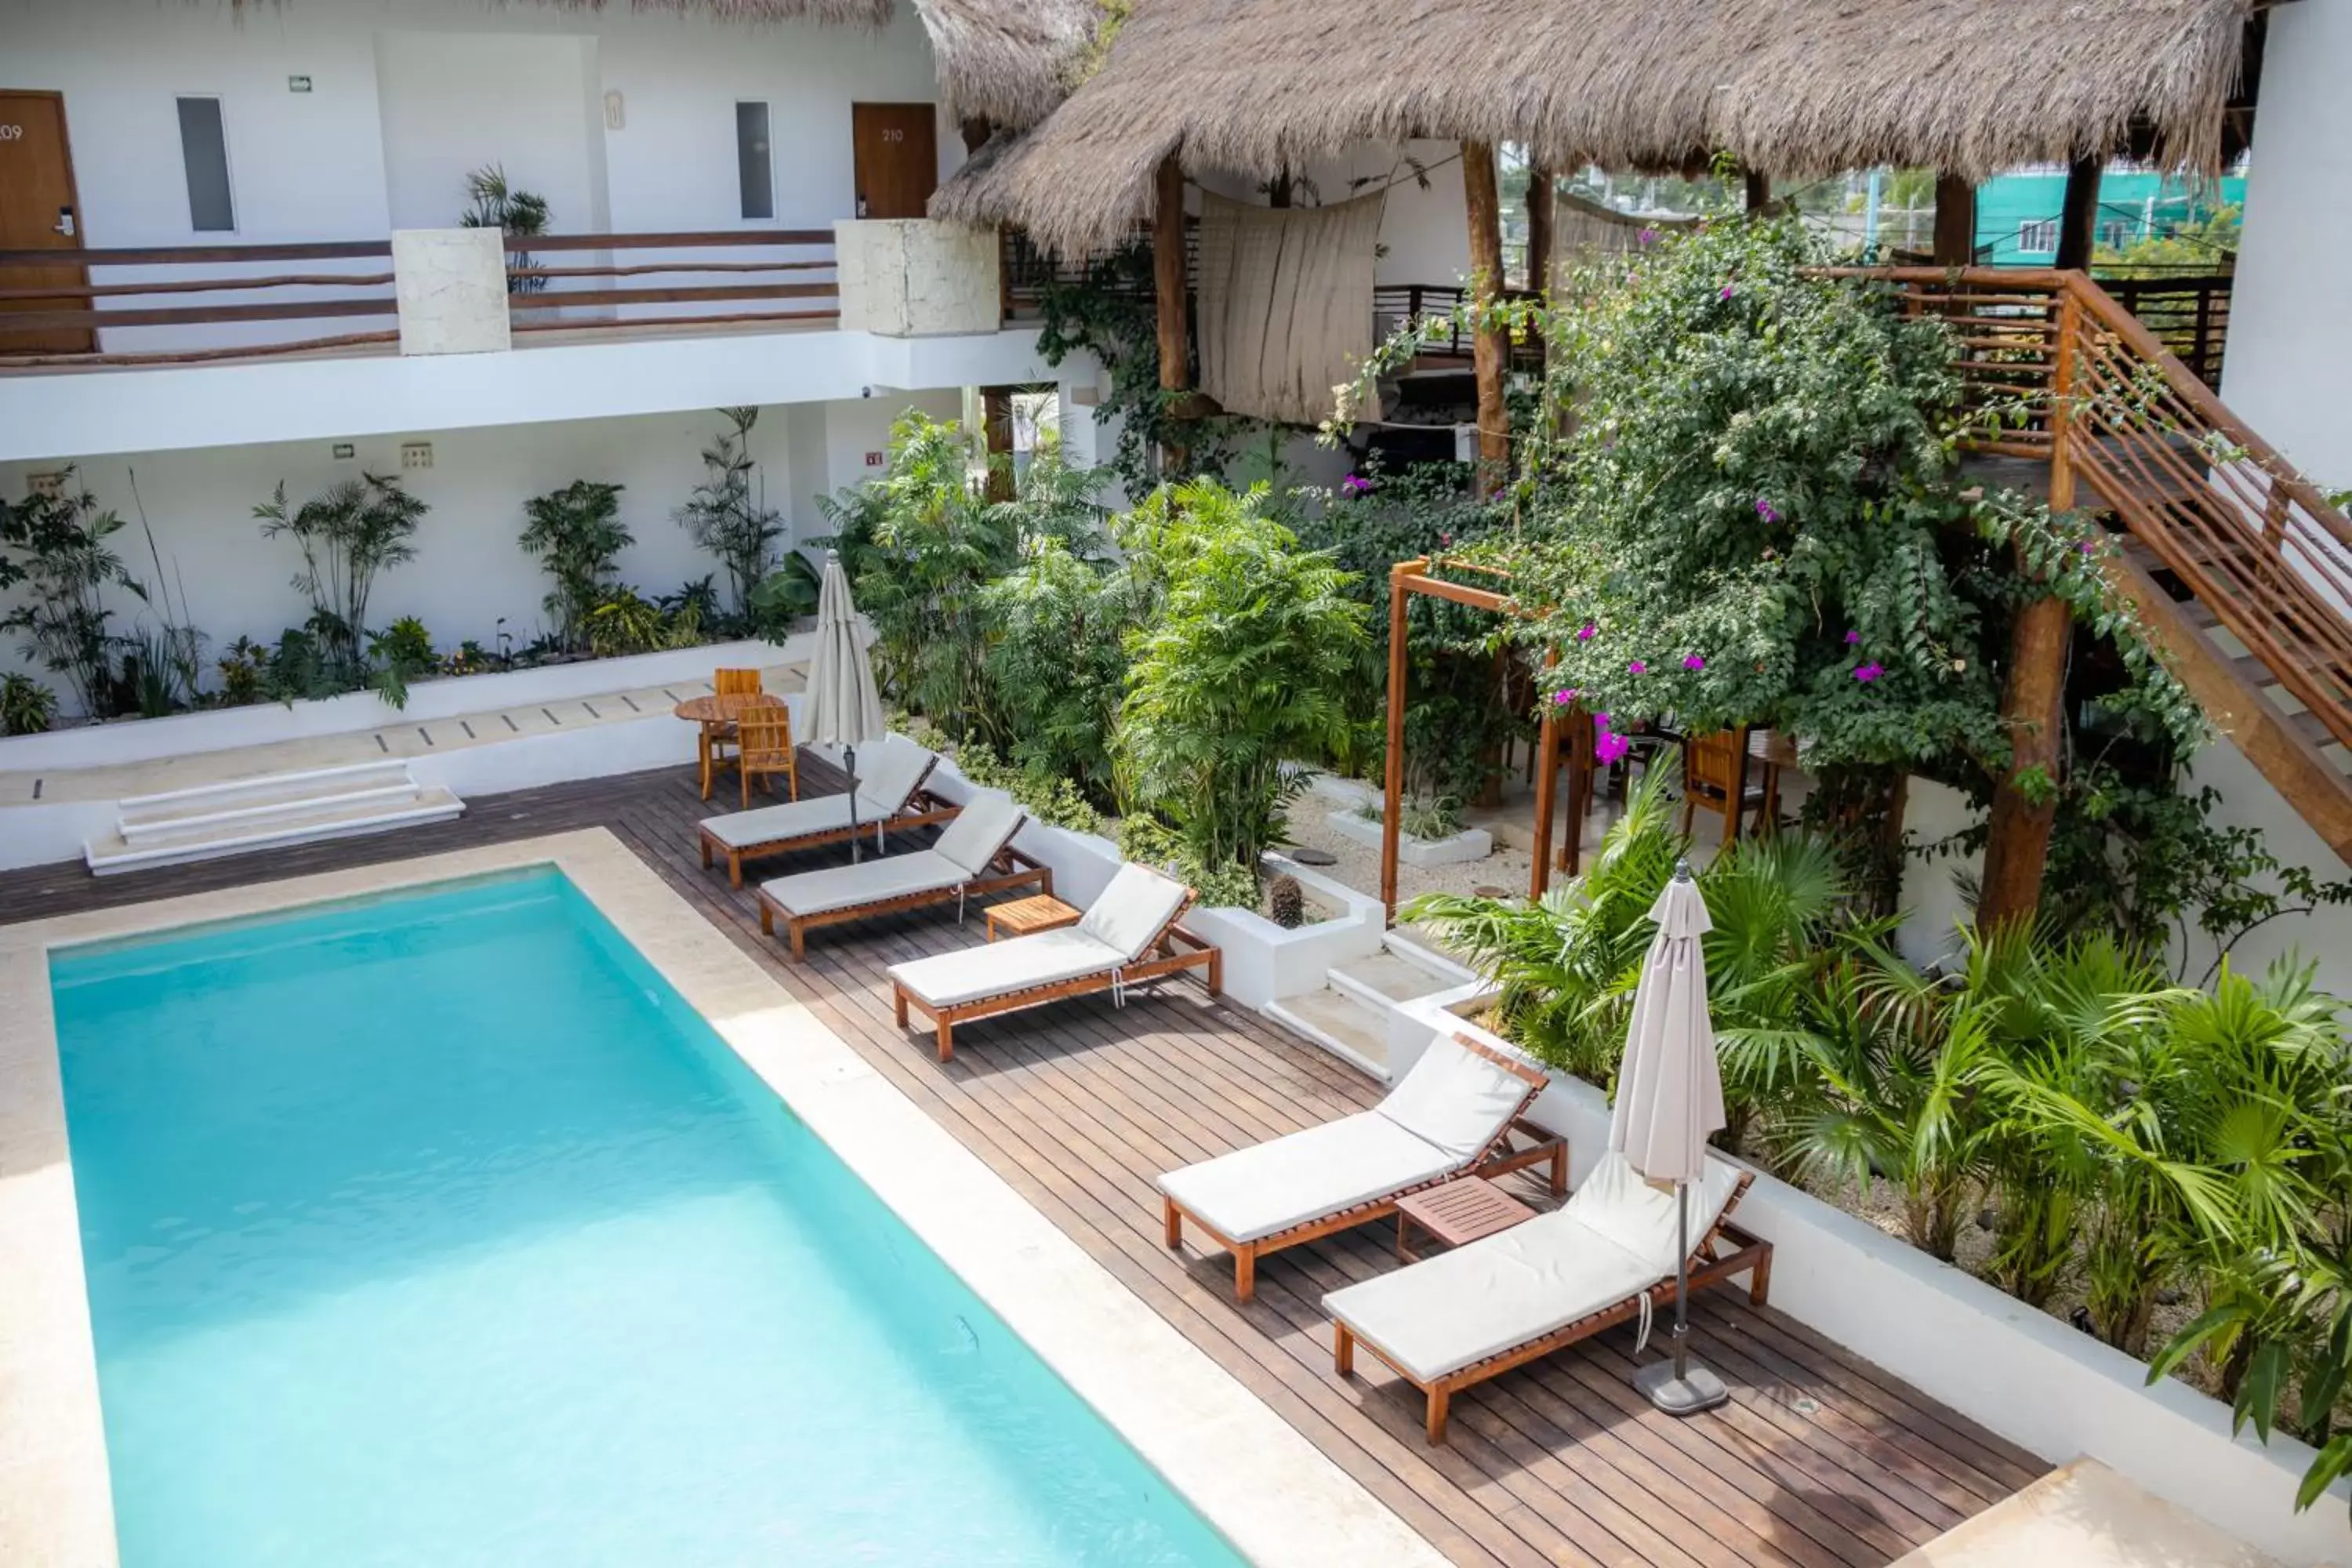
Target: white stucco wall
406, 95
469, 570
2289, 369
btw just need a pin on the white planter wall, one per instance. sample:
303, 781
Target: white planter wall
2029, 1377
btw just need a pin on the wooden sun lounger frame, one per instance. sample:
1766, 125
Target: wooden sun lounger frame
1013, 870
927, 810
1199, 955
1710, 1264
1498, 1158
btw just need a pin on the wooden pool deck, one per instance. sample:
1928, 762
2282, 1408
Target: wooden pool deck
1820, 1458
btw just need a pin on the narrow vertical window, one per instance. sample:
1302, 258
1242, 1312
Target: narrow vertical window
204, 150
751, 161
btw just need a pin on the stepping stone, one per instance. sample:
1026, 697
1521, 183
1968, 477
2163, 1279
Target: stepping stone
1307, 854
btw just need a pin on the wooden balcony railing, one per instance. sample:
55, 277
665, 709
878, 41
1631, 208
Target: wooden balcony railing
2262, 550
2189, 314
554, 279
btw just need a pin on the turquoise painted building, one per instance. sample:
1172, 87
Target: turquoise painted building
2018, 213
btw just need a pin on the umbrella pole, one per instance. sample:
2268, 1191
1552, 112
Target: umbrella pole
1676, 1387
849, 766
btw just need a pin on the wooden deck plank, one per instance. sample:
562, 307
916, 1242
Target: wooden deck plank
1820, 1460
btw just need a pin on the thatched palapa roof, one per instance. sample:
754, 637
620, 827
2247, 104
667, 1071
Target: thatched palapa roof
1791, 86
1008, 62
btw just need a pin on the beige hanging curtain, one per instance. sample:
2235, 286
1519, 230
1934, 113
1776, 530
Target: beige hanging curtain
1285, 304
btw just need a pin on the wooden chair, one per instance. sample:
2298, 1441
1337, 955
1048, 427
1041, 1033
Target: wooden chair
1715, 776
763, 747
730, 683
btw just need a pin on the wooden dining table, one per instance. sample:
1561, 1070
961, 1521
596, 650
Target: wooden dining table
715, 717
1769, 750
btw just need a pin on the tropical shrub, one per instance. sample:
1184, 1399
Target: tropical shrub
1243, 668
1147, 841
578, 534
347, 534
725, 518
935, 544
1052, 800
784, 595
26, 707
1058, 658
629, 622
57, 547
492, 203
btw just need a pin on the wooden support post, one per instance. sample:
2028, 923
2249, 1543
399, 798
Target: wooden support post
1543, 207
1546, 784
1169, 290
1956, 221
1491, 352
996, 428
1759, 193
1392, 777
2078, 221
976, 135
2033, 705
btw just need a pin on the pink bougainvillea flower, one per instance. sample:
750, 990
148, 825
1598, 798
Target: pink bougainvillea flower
1852, 638
1637, 668
1866, 673
1601, 720
1564, 698
1694, 662
1356, 484
1587, 632
1608, 748
1647, 237
1726, 292
1764, 510
1444, 539
2087, 547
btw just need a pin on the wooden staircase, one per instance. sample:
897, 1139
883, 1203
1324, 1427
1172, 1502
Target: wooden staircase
2240, 568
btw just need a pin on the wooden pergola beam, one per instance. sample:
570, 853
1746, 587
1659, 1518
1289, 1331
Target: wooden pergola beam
1956, 221
1543, 209
1491, 350
1169, 286
2078, 221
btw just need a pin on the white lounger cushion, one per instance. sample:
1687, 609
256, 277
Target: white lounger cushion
1454, 1099
1256, 1192
1438, 1118
1613, 1240
899, 767
887, 774
867, 882
774, 824
1139, 902
981, 830
1001, 968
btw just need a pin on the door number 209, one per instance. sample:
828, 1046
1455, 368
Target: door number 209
12, 133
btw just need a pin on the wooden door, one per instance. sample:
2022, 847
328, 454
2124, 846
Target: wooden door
897, 157
39, 211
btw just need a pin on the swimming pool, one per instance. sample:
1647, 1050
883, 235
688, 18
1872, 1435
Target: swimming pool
437, 1227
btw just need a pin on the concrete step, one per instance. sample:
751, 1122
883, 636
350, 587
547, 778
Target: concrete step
1419, 945
274, 812
1386, 978
1341, 1023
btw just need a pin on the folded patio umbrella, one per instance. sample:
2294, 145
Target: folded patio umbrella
1669, 1098
845, 707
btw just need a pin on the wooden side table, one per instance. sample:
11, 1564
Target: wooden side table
1459, 1211
1040, 912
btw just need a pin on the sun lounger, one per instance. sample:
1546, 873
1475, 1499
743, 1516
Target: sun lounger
889, 794
1477, 1311
972, 856
1452, 1115
1127, 936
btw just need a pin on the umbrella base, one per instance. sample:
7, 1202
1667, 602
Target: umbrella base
1696, 1390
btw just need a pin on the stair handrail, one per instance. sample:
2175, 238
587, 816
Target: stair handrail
2112, 316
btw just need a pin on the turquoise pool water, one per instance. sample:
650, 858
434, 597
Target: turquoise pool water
438, 1229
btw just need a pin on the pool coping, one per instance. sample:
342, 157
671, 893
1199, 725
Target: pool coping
1273, 1494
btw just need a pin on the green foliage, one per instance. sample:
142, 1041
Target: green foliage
399, 654
578, 533
726, 516
784, 595
492, 203
1146, 840
629, 622
926, 544
1058, 660
26, 707
1108, 311
2207, 244
60, 549
1049, 797
347, 533
1243, 669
